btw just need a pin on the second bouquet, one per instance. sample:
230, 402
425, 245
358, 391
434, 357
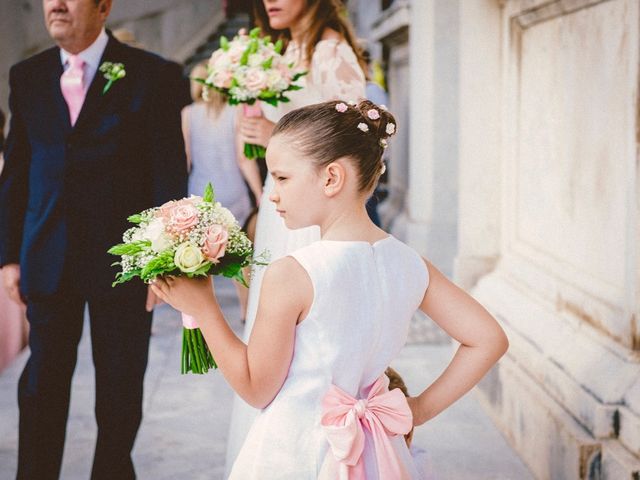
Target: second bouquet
251, 68
194, 236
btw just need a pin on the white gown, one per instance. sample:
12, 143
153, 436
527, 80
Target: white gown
334, 73
364, 298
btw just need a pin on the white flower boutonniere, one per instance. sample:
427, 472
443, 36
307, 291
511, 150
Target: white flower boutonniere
112, 72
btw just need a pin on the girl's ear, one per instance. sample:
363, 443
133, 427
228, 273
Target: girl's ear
335, 175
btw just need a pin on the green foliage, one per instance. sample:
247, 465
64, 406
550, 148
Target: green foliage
160, 265
224, 43
209, 195
132, 248
267, 63
137, 218
278, 46
125, 277
255, 32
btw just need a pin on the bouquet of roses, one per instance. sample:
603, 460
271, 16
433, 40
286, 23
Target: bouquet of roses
192, 236
250, 68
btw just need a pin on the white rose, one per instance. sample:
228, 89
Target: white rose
256, 59
155, 232
188, 257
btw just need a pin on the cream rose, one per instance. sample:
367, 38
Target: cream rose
215, 243
188, 257
256, 80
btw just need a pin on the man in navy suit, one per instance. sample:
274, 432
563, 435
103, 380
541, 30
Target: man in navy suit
76, 166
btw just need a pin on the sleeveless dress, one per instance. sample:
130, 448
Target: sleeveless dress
364, 298
213, 159
334, 73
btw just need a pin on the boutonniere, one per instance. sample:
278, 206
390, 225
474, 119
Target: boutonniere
112, 72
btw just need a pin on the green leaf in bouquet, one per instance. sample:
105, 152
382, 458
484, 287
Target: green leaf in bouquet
122, 277
129, 248
208, 195
284, 99
202, 81
267, 94
224, 43
255, 32
278, 46
298, 75
137, 218
202, 271
266, 39
254, 46
271, 101
267, 63
234, 271
244, 59
293, 87
160, 265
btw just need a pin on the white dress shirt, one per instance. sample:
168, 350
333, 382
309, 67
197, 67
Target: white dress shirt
91, 57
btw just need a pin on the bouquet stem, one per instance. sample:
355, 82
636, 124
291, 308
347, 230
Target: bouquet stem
252, 151
196, 357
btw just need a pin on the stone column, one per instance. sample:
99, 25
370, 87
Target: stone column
432, 200
479, 141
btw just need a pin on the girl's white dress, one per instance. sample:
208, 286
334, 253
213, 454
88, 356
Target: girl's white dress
364, 298
334, 73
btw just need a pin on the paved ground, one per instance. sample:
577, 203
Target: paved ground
184, 431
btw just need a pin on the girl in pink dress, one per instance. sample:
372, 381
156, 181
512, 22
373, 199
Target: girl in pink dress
334, 314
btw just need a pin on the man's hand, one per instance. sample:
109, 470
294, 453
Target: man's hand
11, 281
152, 300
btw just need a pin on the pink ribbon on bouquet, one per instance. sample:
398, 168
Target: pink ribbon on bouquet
251, 110
384, 413
188, 321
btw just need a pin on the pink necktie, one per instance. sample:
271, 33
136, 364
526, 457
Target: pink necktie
383, 413
72, 87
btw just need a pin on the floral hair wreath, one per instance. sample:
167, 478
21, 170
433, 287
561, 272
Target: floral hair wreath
372, 114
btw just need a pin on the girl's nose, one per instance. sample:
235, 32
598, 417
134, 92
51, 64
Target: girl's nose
273, 196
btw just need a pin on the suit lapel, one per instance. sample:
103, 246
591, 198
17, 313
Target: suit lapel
95, 98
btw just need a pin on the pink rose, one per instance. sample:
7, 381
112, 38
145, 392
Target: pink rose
223, 79
215, 243
285, 71
183, 218
256, 80
166, 210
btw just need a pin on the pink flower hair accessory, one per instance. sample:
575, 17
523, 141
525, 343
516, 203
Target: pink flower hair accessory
363, 127
341, 107
373, 114
390, 128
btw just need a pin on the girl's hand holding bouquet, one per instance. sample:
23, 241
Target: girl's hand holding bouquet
192, 237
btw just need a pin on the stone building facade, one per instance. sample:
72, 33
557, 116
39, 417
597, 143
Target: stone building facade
519, 174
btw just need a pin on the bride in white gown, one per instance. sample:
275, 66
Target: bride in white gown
321, 41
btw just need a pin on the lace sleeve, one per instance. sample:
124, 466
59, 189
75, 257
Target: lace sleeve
335, 71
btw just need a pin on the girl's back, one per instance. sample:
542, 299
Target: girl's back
364, 298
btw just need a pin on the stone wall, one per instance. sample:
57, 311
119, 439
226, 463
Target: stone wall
565, 285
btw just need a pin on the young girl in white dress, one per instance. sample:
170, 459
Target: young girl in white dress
334, 314
320, 40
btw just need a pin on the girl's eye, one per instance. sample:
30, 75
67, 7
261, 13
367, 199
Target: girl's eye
280, 179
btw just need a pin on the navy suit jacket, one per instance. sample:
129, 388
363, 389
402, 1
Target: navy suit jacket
65, 192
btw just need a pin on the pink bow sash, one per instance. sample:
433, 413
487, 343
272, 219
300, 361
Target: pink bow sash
384, 413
